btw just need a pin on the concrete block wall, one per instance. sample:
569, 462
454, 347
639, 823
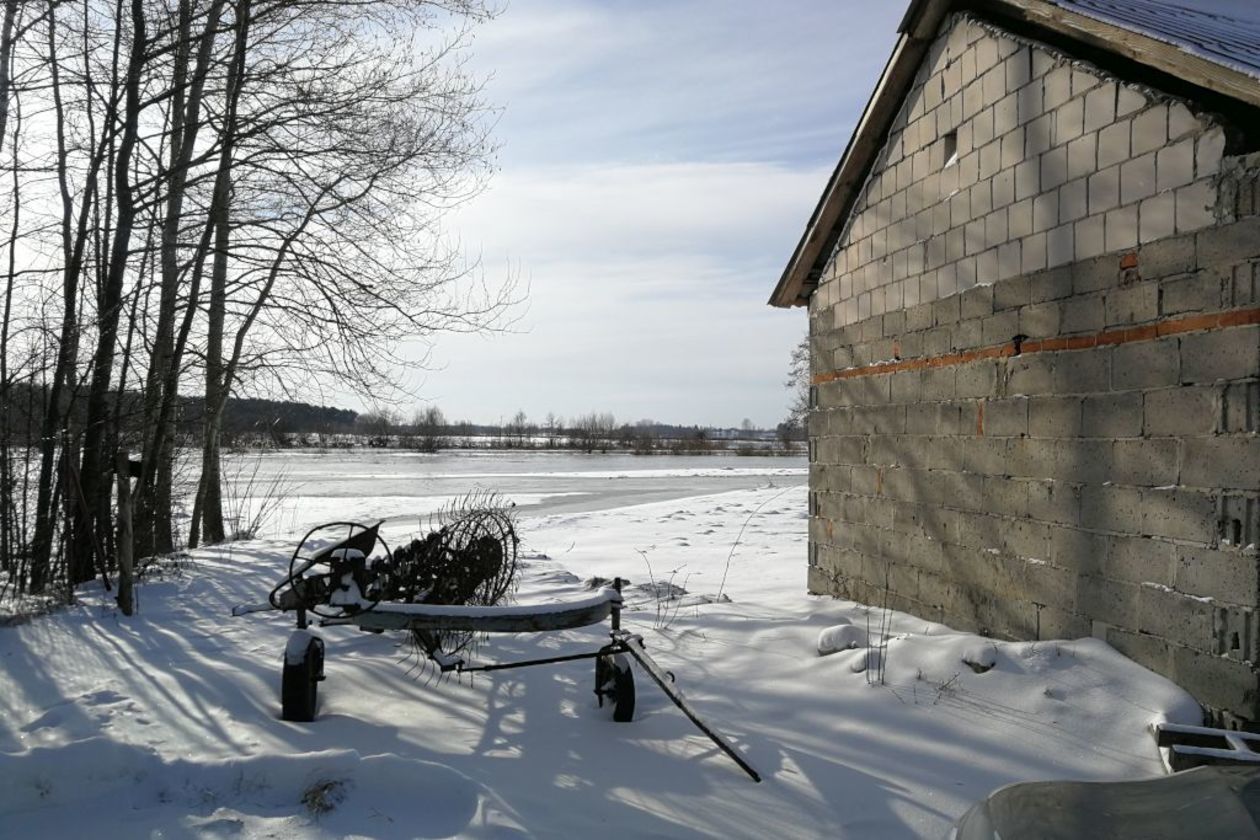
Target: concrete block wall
1008, 158
1057, 447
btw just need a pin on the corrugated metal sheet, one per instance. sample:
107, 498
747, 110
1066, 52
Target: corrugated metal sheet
1224, 31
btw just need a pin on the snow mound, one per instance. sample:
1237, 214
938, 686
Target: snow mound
1037, 684
981, 657
661, 590
334, 793
560, 577
840, 637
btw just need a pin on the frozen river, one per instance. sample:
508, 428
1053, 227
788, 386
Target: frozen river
317, 486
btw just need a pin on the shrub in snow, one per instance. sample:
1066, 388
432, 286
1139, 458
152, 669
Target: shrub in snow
324, 796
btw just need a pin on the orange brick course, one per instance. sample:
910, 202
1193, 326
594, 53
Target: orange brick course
1127, 335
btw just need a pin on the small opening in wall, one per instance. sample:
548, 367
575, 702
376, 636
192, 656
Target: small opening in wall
1236, 531
951, 148
1234, 642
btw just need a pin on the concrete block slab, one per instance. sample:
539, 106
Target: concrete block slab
1150, 129
1113, 415
1179, 515
1104, 189
1182, 410
1227, 461
1228, 354
1146, 364
1157, 217
1137, 178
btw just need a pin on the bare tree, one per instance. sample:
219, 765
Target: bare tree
552, 427
12, 541
225, 192
517, 430
94, 520
429, 429
798, 385
378, 425
8, 36
75, 235
192, 57
361, 148
593, 431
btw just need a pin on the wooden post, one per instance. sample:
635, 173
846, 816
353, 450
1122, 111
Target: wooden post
125, 541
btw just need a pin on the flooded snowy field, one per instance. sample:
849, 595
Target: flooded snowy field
297, 489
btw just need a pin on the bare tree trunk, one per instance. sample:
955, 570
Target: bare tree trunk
91, 527
210, 491
111, 293
8, 481
55, 417
7, 37
125, 540
161, 391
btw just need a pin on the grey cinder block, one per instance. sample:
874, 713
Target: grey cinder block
1054, 417
1113, 415
1229, 462
1179, 514
1169, 412
1232, 353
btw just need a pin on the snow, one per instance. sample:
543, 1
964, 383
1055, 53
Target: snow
1203, 599
314, 487
1223, 31
143, 793
603, 596
167, 724
299, 643
841, 637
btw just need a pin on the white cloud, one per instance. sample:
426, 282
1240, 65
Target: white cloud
685, 79
557, 212
659, 162
648, 289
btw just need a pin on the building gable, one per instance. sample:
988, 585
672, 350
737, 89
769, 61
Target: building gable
1007, 157
1204, 53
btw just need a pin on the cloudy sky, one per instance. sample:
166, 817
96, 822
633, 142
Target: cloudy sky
658, 161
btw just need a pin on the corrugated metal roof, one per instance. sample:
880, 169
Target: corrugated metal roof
1223, 31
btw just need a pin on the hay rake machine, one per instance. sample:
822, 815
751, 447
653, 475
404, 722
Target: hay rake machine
445, 591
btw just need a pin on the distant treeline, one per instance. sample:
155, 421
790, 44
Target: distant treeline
429, 431
250, 422
23, 410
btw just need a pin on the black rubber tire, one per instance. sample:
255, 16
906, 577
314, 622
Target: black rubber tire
615, 676
622, 688
299, 684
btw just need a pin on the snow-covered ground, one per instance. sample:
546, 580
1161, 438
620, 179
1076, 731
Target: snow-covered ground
166, 725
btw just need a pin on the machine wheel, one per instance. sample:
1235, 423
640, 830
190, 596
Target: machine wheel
299, 684
615, 680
